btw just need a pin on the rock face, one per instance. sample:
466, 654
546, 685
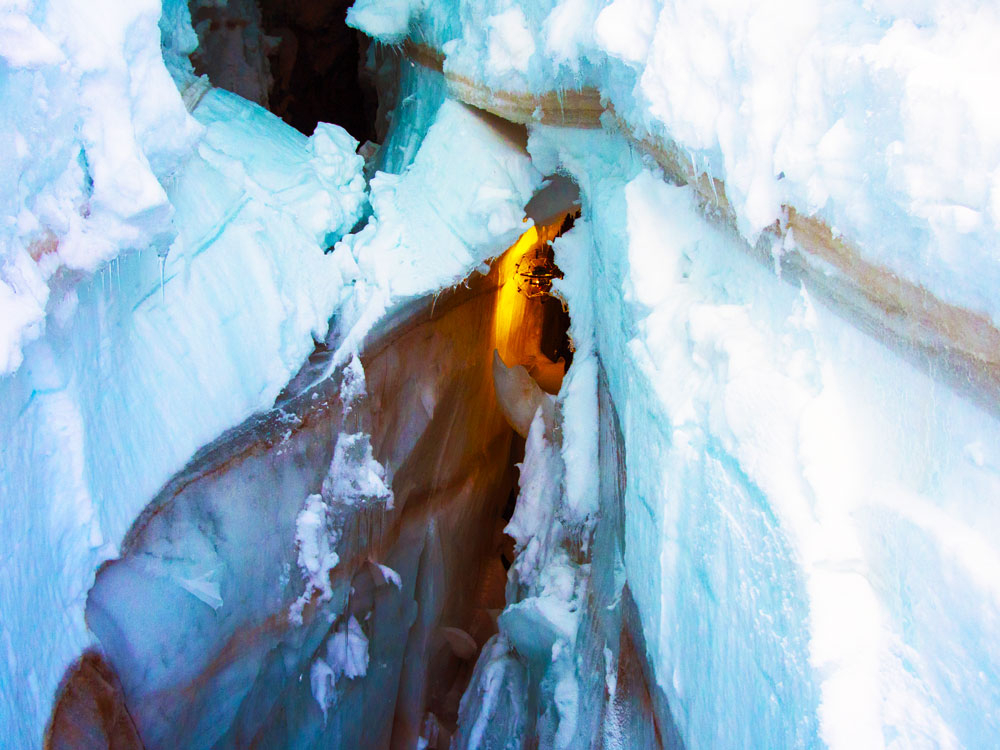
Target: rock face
90, 711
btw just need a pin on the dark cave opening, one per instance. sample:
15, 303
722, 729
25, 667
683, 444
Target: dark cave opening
316, 68
298, 58
456, 488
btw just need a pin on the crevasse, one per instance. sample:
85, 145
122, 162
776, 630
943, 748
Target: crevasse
292, 457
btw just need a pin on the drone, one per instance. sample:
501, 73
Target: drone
535, 272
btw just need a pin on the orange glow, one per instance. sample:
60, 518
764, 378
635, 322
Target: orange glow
517, 322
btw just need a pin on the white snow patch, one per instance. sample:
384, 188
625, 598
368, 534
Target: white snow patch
510, 45
625, 29
316, 538
390, 576
355, 476
346, 656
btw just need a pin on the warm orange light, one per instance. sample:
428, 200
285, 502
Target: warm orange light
517, 322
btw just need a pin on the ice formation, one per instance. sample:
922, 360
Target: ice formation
316, 537
288, 458
346, 656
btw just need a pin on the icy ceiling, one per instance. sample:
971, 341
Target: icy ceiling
565, 374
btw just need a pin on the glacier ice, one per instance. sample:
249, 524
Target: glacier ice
259, 428
303, 611
126, 380
780, 420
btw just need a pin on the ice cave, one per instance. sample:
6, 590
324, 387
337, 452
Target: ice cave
499, 374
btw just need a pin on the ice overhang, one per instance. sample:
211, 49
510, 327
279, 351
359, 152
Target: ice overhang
558, 196
956, 345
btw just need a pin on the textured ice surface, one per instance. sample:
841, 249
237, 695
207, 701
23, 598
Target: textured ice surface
346, 657
451, 209
130, 376
319, 622
806, 515
256, 186
792, 533
875, 116
93, 128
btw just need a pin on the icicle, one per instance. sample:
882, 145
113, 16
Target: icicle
163, 266
711, 181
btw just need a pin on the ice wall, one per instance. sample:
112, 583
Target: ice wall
798, 541
219, 548
805, 513
276, 591
793, 548
872, 116
137, 360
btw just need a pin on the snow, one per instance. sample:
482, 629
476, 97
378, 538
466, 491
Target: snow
346, 656
568, 28
353, 387
858, 115
355, 476
81, 178
316, 539
805, 530
874, 116
23, 45
624, 29
391, 576
121, 380
770, 446
509, 44
388, 20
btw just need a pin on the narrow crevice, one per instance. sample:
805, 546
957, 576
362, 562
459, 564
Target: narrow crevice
416, 583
